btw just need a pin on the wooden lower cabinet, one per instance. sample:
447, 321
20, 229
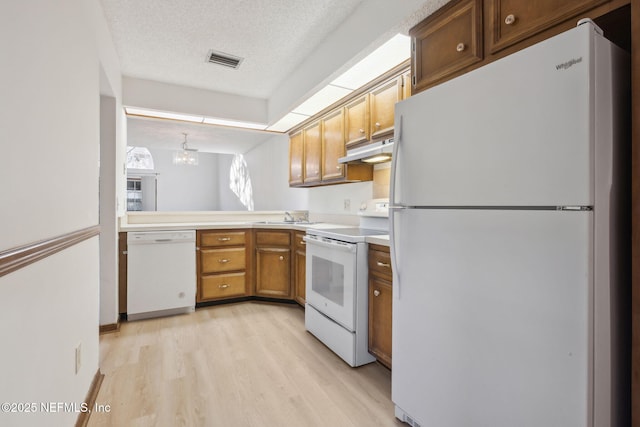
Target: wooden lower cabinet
299, 268
380, 304
222, 264
122, 272
273, 263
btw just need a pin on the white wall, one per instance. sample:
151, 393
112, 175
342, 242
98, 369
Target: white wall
108, 212
269, 168
49, 116
186, 188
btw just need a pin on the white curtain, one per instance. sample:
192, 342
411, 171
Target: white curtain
240, 181
139, 158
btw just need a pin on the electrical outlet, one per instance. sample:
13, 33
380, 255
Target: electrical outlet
347, 204
78, 357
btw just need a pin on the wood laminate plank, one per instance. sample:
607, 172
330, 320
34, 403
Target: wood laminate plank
248, 364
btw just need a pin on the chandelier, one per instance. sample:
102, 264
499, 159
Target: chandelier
186, 156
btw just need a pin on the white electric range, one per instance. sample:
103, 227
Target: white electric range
336, 287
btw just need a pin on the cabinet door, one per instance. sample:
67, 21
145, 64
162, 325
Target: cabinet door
273, 272
122, 272
406, 85
514, 20
296, 159
356, 121
380, 318
299, 269
382, 104
333, 145
446, 42
312, 153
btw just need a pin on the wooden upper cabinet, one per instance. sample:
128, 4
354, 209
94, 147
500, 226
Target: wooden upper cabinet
512, 21
312, 136
382, 101
356, 121
406, 85
446, 42
296, 159
333, 142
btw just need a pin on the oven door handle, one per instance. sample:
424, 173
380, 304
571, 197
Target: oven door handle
342, 246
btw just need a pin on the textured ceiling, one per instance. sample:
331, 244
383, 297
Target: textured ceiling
168, 41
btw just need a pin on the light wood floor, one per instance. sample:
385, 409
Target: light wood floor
246, 364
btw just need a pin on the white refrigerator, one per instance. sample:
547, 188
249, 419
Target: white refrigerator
509, 242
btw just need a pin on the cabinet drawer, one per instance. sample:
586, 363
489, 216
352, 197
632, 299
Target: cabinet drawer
446, 42
217, 260
380, 262
512, 21
270, 238
300, 244
223, 285
222, 238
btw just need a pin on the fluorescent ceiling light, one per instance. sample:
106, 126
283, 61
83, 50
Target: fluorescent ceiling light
195, 119
321, 100
237, 124
287, 122
392, 53
163, 115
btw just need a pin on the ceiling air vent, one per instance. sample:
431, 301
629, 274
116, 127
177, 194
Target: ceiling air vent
224, 59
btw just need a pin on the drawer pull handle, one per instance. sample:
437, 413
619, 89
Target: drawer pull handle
223, 260
460, 47
510, 19
383, 264
302, 242
281, 258
339, 167
376, 293
377, 124
223, 286
224, 239
361, 130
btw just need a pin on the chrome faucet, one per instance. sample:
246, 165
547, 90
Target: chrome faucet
288, 217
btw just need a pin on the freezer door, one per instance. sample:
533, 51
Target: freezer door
492, 317
517, 132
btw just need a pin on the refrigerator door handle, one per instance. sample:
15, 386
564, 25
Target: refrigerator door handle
394, 158
397, 137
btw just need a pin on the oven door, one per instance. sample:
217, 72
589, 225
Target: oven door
331, 279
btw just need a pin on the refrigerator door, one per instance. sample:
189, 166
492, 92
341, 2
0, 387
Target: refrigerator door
492, 317
516, 132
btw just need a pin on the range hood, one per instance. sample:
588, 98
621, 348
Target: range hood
376, 152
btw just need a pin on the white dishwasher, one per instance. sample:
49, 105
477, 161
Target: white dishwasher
161, 273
